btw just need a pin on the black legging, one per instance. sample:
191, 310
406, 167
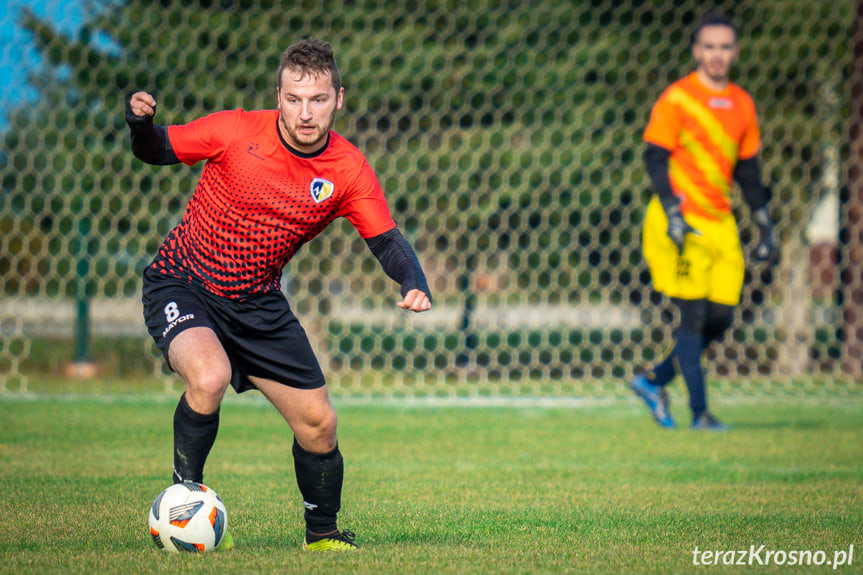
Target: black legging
708, 318
701, 323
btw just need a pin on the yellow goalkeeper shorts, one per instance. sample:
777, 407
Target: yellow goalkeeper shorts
711, 265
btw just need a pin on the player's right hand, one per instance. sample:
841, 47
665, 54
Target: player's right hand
416, 301
678, 227
142, 104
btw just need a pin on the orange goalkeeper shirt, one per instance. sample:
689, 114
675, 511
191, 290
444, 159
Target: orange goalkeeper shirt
707, 132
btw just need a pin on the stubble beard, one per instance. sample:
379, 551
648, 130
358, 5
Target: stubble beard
721, 75
306, 141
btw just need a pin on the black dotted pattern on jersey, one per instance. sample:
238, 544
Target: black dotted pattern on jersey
246, 219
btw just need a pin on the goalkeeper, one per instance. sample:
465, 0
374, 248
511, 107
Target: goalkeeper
702, 136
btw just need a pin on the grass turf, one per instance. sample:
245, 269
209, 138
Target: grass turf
440, 490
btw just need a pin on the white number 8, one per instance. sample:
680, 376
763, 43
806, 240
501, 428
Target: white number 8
171, 311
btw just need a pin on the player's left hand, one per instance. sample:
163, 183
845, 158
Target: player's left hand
766, 248
416, 301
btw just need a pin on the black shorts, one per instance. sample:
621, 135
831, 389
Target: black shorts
261, 335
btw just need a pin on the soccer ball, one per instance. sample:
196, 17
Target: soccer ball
188, 517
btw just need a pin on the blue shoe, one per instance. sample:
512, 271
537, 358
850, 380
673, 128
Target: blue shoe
706, 421
655, 398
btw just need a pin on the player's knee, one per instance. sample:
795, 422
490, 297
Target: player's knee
204, 390
326, 423
693, 314
721, 317
318, 432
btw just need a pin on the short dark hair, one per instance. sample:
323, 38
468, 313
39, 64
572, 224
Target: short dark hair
712, 19
310, 57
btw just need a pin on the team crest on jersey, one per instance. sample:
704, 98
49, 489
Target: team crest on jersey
321, 189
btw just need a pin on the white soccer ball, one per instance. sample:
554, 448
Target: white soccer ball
188, 517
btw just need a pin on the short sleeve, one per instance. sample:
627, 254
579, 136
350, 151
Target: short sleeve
664, 125
205, 138
365, 206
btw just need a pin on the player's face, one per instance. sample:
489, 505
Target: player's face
307, 109
715, 51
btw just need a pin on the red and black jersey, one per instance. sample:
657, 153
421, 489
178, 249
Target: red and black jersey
258, 201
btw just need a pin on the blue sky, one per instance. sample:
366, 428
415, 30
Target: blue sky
16, 52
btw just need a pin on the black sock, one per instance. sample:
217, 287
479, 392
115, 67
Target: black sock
194, 435
689, 348
319, 478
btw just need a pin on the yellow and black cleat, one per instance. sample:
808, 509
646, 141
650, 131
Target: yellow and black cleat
336, 541
227, 542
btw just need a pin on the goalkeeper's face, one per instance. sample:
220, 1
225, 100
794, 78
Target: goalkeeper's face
307, 109
715, 51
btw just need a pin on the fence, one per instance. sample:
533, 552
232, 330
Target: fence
507, 137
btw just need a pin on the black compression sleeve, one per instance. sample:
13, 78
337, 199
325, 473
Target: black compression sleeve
747, 173
656, 162
150, 142
399, 261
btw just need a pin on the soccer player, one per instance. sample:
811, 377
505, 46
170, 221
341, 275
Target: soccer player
702, 136
272, 181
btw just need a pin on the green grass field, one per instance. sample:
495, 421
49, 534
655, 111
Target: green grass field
453, 489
